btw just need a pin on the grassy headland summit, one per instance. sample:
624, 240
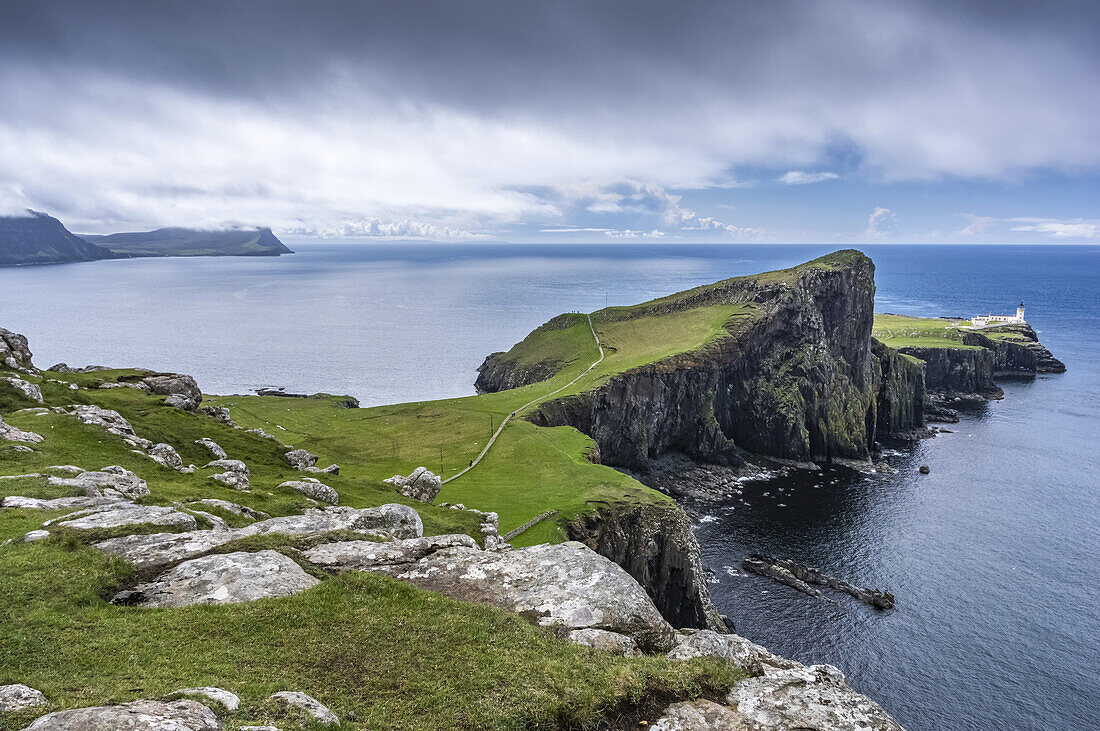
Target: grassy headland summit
38, 238
187, 557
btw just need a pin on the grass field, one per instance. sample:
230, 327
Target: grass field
899, 331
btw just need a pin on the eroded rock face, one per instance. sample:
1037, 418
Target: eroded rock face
604, 641
421, 484
210, 444
388, 557
14, 351
229, 578
181, 715
310, 705
566, 584
815, 697
732, 648
113, 516
702, 715
181, 390
111, 481
314, 489
12, 434
28, 389
18, 696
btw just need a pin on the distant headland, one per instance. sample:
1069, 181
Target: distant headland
38, 238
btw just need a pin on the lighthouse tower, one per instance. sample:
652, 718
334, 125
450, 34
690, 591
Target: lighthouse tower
1020, 313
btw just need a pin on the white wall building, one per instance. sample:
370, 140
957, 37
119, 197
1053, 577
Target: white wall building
984, 320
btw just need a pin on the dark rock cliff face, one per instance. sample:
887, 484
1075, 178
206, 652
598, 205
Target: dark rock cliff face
1018, 354
656, 546
797, 381
901, 393
957, 371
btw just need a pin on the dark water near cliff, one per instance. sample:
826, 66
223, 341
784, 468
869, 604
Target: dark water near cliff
994, 556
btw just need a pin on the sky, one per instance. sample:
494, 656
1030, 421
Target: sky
836, 121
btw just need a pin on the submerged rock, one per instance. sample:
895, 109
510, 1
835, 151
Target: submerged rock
181, 715
229, 578
802, 578
421, 484
306, 703
16, 697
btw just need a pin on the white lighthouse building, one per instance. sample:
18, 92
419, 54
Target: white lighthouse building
985, 320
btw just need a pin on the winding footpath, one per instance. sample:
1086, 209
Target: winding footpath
531, 403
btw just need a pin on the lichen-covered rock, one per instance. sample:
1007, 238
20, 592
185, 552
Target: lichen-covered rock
28, 389
234, 508
301, 459
229, 465
421, 484
111, 481
14, 351
731, 648
61, 503
566, 584
35, 535
604, 641
317, 710
374, 556
181, 715
159, 549
229, 578
107, 419
167, 455
127, 514
703, 715
16, 697
815, 697
235, 480
218, 413
213, 446
12, 434
314, 489
181, 390
229, 700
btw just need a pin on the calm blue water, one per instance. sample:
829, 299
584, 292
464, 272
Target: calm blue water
994, 556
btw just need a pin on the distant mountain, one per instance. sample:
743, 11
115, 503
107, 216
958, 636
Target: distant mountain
192, 242
41, 239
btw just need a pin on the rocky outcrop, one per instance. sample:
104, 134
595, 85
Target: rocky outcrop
29, 390
10, 433
15, 353
144, 715
655, 545
180, 390
230, 701
421, 484
307, 704
18, 696
210, 444
901, 393
229, 578
108, 419
235, 475
314, 489
1016, 350
395, 556
806, 578
734, 649
111, 481
604, 641
956, 371
127, 514
167, 455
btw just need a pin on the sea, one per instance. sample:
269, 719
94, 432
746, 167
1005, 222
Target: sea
994, 556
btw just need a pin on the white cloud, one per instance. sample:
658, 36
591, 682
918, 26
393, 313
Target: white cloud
376, 228
629, 234
978, 225
801, 177
571, 230
1071, 229
882, 222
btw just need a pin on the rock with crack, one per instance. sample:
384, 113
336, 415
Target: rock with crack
159, 549
181, 715
12, 434
15, 353
314, 489
815, 697
234, 508
230, 578
218, 413
235, 475
111, 481
300, 459
230, 701
229, 465
701, 715
126, 514
216, 522
167, 455
213, 446
61, 503
16, 697
28, 389
107, 419
181, 390
732, 648
374, 556
317, 710
421, 484
604, 641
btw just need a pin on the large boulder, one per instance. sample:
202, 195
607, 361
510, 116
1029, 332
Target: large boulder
732, 648
167, 455
111, 481
18, 696
314, 489
107, 419
159, 549
604, 641
308, 704
61, 503
375, 556
568, 585
122, 514
235, 475
301, 459
421, 484
229, 578
14, 351
13, 434
210, 444
181, 715
28, 389
234, 508
181, 390
230, 701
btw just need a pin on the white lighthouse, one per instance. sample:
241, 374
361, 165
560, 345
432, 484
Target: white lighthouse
987, 320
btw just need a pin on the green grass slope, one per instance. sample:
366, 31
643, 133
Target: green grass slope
900, 331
